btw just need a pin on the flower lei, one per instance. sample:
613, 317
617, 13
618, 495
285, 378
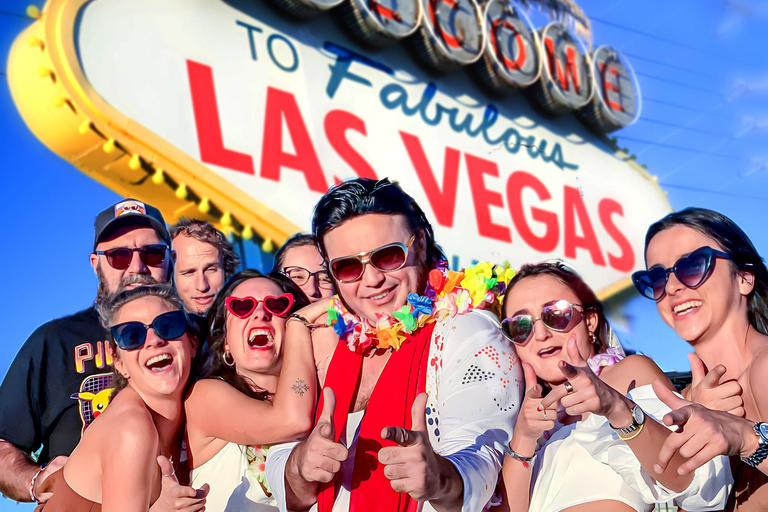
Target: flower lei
257, 461
448, 293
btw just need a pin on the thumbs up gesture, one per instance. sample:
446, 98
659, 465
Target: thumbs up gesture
709, 389
702, 433
320, 456
583, 391
412, 466
174, 496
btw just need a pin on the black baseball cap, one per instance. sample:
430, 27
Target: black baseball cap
129, 212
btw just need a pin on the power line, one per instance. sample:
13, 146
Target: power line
675, 82
685, 107
673, 66
682, 127
15, 14
709, 191
681, 148
665, 40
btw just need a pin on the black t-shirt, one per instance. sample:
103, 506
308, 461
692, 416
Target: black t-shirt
56, 386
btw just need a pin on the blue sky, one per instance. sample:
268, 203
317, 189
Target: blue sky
703, 131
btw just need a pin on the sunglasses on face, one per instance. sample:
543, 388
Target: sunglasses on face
132, 335
386, 258
691, 270
243, 307
556, 315
300, 276
120, 258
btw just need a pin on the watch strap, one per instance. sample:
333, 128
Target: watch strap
761, 453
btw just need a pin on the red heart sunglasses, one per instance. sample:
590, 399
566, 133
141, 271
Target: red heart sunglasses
243, 307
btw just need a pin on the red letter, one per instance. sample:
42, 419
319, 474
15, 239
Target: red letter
556, 71
208, 124
515, 185
484, 198
337, 122
282, 105
574, 207
609, 87
443, 202
626, 261
514, 65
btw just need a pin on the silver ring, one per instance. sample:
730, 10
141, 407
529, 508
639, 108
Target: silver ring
568, 387
545, 413
171, 474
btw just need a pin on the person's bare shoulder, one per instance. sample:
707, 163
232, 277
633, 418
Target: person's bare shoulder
632, 372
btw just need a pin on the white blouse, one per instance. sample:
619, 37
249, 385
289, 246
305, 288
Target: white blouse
586, 461
475, 385
234, 478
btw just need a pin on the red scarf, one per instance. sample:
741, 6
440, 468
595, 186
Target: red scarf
403, 377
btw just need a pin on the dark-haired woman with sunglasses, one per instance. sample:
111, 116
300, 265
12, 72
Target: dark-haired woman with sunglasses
115, 466
261, 391
711, 286
589, 444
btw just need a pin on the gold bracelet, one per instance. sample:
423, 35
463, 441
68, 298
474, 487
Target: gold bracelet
634, 435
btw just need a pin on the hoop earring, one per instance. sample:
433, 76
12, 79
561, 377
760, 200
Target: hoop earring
227, 362
593, 339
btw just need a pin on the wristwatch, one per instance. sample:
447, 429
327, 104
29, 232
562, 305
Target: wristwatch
638, 420
754, 460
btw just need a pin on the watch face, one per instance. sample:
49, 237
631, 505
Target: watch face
638, 415
457, 25
762, 429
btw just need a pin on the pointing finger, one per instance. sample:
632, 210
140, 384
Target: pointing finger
667, 396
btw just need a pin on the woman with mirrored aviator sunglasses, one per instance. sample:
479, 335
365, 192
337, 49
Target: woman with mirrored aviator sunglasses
593, 421
711, 286
259, 389
115, 465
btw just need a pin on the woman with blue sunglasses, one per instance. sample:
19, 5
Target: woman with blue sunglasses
115, 465
711, 286
590, 443
261, 389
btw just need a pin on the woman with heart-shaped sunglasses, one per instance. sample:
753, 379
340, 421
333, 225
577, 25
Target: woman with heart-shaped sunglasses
586, 445
711, 286
260, 390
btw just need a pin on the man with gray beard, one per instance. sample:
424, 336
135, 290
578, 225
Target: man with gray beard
60, 380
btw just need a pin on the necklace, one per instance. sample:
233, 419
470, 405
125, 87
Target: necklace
447, 294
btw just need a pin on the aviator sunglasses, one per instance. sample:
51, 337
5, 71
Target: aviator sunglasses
242, 307
691, 270
120, 258
132, 335
386, 258
556, 315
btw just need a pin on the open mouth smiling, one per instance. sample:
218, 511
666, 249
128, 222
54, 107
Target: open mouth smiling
261, 338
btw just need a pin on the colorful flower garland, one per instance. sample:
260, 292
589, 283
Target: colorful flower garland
448, 293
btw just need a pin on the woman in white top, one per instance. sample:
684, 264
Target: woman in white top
261, 390
587, 445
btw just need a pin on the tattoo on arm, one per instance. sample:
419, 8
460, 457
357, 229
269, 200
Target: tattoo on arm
300, 387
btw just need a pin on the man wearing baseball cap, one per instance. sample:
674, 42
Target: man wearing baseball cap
60, 380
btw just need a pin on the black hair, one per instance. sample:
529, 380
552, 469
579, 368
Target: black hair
295, 240
744, 255
217, 324
568, 276
360, 196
